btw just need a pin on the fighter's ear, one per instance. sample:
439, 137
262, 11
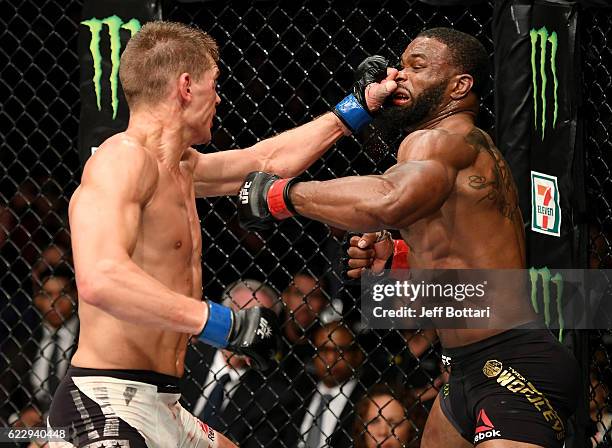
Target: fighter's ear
461, 86
184, 86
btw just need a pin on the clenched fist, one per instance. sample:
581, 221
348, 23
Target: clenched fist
369, 251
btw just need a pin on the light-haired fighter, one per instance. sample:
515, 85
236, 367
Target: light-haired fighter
453, 199
137, 241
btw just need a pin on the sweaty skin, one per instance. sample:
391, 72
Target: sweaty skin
135, 230
451, 194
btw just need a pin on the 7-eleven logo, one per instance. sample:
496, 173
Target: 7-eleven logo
545, 208
484, 428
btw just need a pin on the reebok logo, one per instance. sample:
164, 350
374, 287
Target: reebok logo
485, 428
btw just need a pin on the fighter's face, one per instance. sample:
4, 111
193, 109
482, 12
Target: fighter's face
422, 85
204, 104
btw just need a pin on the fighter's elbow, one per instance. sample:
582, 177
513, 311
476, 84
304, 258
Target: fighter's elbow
393, 216
282, 170
93, 284
389, 210
88, 288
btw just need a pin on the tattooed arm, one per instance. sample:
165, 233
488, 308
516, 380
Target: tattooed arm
498, 186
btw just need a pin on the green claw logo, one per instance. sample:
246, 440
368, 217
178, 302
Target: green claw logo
539, 67
547, 279
114, 24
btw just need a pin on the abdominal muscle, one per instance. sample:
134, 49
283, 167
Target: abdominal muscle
106, 342
471, 238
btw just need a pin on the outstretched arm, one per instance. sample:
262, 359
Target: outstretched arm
406, 193
286, 154
414, 188
290, 153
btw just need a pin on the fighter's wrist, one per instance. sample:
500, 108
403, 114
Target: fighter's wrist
346, 131
218, 326
279, 199
352, 113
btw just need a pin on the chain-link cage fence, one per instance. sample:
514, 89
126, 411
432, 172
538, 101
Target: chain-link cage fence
282, 64
596, 47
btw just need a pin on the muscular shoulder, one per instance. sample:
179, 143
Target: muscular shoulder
438, 144
122, 163
190, 159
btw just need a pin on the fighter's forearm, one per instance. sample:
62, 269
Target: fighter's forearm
290, 153
127, 293
359, 203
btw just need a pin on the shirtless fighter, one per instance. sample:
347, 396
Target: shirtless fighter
137, 242
452, 197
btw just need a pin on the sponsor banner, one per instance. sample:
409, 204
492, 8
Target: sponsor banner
537, 93
545, 204
104, 30
555, 149
497, 299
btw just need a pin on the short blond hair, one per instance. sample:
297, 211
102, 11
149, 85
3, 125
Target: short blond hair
160, 52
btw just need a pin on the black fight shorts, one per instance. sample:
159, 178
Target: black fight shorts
519, 385
124, 409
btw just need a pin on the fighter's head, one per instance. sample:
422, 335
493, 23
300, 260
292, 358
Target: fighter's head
441, 70
167, 61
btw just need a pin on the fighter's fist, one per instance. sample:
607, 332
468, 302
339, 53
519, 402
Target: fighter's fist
255, 335
369, 251
251, 332
263, 198
374, 81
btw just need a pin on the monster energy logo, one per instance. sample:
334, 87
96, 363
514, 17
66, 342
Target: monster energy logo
547, 279
113, 24
538, 70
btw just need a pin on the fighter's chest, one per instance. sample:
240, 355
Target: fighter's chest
172, 215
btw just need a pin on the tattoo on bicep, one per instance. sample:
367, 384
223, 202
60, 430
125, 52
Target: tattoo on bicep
500, 189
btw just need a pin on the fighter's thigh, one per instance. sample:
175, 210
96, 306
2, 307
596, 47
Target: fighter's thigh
500, 443
439, 432
197, 434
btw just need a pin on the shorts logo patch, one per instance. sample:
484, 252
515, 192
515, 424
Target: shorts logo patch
128, 394
484, 427
516, 383
445, 390
492, 368
208, 430
446, 360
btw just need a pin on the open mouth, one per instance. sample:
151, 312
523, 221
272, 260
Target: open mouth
400, 98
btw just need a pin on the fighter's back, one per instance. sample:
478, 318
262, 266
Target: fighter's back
151, 219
